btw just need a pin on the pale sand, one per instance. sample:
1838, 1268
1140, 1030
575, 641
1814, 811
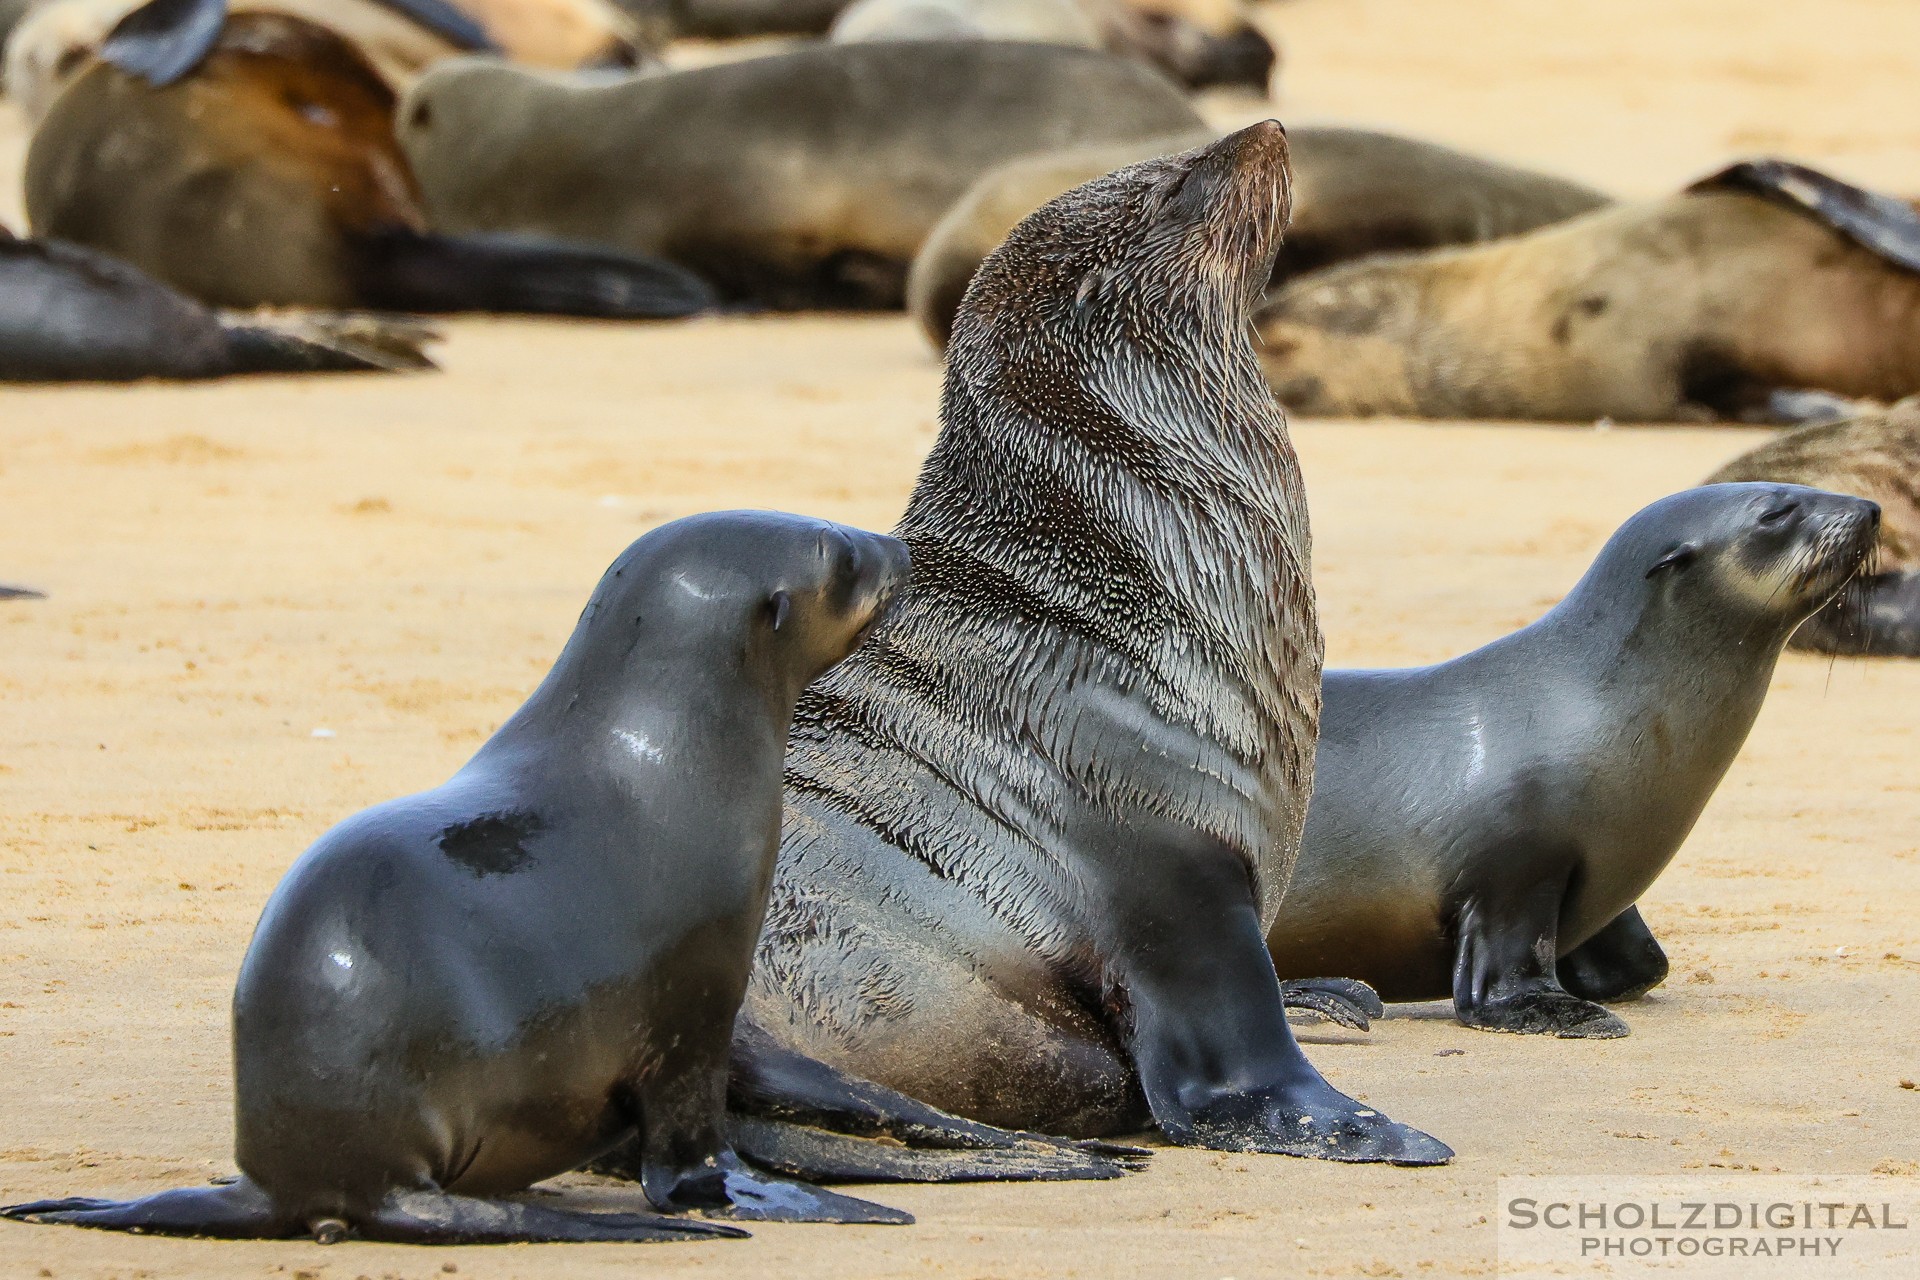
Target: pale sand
397, 560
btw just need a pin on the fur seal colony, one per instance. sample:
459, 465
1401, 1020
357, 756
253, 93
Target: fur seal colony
458, 994
250, 161
1664, 311
68, 314
1355, 192
802, 179
1482, 829
1037, 825
1874, 455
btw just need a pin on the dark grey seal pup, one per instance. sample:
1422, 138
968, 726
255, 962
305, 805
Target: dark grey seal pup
68, 314
1483, 828
455, 995
1037, 826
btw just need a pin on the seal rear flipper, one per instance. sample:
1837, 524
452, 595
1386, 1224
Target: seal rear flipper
822, 1156
526, 275
162, 41
320, 343
1346, 1001
237, 1210
1874, 616
1621, 962
1878, 223
435, 1217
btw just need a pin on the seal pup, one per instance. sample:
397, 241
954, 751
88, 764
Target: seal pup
250, 161
1483, 828
68, 314
1873, 455
1714, 304
1037, 825
803, 179
455, 995
1355, 192
1242, 58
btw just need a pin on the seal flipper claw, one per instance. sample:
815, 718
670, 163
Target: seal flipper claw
162, 41
1345, 1001
1621, 962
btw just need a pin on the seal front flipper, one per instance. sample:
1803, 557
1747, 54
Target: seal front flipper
1874, 616
1347, 1002
1621, 962
404, 270
327, 343
461, 30
1205, 1022
20, 593
238, 1210
757, 1197
1876, 222
162, 41
1503, 971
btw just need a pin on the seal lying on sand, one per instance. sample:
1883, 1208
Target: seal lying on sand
1195, 57
1036, 826
68, 314
805, 179
1483, 828
1355, 192
1875, 455
250, 162
1706, 305
455, 995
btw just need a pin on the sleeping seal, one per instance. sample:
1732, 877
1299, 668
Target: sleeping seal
1723, 302
455, 995
250, 161
804, 179
1483, 828
1355, 192
1037, 825
1874, 455
68, 314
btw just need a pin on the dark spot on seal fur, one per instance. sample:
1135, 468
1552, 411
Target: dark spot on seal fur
493, 843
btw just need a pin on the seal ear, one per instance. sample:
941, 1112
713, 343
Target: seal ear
779, 605
1678, 557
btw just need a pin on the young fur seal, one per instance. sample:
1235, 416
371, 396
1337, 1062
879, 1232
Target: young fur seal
455, 995
1874, 455
804, 179
250, 161
68, 314
1037, 825
1483, 828
1713, 304
1355, 192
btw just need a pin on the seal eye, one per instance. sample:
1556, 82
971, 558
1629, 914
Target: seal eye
778, 607
1778, 514
1677, 558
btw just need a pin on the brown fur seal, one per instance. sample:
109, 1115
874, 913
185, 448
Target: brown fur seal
1355, 192
68, 314
804, 179
455, 995
1704, 306
250, 161
1482, 828
1242, 58
1036, 826
1875, 455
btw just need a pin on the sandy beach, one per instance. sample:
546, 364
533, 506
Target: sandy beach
274, 602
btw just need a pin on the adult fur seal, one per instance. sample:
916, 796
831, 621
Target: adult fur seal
250, 161
455, 995
1355, 192
1242, 58
1483, 828
1765, 279
1874, 455
1037, 824
68, 314
804, 179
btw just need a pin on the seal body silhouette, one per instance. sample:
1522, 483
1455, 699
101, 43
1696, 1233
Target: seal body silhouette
1483, 828
1037, 825
454, 995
